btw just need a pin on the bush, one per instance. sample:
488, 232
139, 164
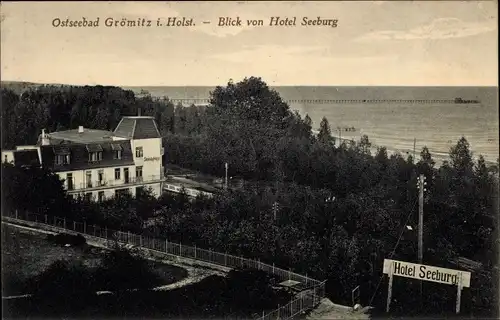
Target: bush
253, 289
65, 238
122, 269
63, 285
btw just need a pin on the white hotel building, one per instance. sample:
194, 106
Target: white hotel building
97, 163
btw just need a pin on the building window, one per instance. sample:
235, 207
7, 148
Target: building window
117, 151
88, 196
95, 156
100, 177
138, 173
139, 152
117, 174
100, 196
89, 179
69, 180
121, 192
62, 159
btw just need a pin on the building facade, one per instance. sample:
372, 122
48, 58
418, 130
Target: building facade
101, 164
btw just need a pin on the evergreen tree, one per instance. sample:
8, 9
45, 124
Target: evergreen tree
325, 133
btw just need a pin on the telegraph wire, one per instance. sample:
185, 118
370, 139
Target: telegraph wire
395, 247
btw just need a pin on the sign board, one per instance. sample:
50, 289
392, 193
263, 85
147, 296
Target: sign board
152, 159
427, 273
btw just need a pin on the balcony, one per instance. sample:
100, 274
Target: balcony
105, 184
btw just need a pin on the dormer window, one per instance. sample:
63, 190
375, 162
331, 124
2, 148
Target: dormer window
62, 159
117, 151
95, 156
95, 152
62, 155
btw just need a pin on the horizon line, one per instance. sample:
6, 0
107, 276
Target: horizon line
269, 85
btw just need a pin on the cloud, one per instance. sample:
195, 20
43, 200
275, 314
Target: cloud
442, 28
266, 52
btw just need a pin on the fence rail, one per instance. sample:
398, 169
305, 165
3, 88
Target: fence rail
312, 291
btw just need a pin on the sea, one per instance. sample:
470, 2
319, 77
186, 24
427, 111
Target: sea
400, 127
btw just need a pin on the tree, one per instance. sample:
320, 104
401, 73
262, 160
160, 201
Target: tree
33, 189
365, 145
426, 158
251, 99
325, 133
461, 157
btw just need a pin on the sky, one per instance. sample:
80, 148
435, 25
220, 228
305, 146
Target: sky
391, 43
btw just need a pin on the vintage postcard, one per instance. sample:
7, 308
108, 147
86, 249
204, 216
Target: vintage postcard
250, 160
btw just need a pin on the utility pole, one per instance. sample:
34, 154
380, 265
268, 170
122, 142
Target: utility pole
421, 185
226, 182
414, 147
421, 189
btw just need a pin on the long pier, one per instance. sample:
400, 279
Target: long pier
337, 101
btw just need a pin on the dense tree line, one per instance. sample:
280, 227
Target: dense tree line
342, 209
56, 108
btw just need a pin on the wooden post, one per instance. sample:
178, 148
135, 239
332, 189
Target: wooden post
421, 184
140, 240
106, 232
64, 221
273, 268
195, 251
74, 226
459, 293
389, 290
180, 249
16, 214
278, 311
128, 237
166, 246
225, 259
288, 274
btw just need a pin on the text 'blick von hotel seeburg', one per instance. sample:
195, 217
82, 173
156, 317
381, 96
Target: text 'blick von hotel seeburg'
226, 22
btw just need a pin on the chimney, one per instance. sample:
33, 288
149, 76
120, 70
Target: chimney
80, 129
139, 112
44, 138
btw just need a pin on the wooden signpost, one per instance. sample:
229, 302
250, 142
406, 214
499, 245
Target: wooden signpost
458, 278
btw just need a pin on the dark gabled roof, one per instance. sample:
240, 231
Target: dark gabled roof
116, 147
26, 158
79, 156
95, 147
137, 128
61, 149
